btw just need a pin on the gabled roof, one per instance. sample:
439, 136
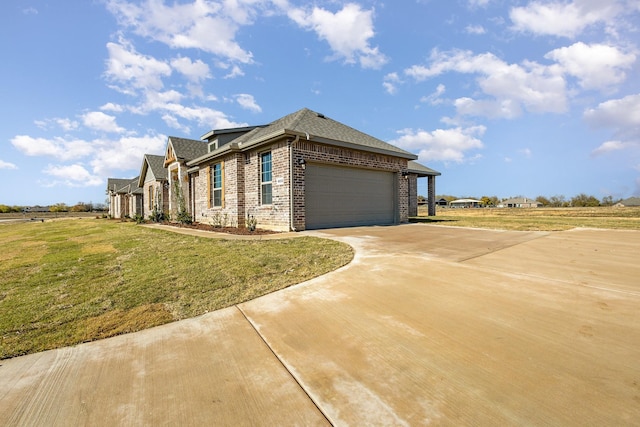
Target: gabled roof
631, 201
123, 186
421, 170
187, 149
309, 125
116, 184
155, 165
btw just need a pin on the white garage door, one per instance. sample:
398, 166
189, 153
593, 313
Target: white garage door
337, 196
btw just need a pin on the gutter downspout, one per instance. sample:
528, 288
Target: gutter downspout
291, 144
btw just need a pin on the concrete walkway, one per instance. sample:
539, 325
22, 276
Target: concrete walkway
428, 325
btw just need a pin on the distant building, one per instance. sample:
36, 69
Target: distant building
465, 203
631, 201
519, 202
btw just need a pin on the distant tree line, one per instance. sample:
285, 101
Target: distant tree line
579, 201
58, 207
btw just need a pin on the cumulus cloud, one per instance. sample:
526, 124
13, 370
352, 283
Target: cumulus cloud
564, 19
347, 31
205, 25
435, 97
447, 145
124, 153
622, 114
58, 147
248, 102
475, 29
130, 71
623, 117
391, 82
97, 120
195, 71
510, 87
596, 66
7, 165
72, 176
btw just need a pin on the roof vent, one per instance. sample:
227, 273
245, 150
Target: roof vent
320, 115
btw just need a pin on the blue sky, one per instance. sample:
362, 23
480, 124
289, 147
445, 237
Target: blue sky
505, 98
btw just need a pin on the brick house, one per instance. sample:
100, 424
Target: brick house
125, 197
178, 152
302, 171
155, 185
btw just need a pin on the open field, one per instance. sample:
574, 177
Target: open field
535, 219
71, 281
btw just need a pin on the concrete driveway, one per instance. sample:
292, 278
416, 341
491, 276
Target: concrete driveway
429, 325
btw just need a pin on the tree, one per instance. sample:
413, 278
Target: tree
584, 200
608, 201
558, 201
543, 200
490, 200
59, 207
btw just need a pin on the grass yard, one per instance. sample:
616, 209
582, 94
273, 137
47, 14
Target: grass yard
535, 219
71, 281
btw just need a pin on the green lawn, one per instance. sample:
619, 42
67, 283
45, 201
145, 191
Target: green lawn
71, 281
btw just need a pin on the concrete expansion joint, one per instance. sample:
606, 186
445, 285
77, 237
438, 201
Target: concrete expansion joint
284, 365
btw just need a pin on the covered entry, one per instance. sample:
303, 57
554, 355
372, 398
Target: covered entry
338, 196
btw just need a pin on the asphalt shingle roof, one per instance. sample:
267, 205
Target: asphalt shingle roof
188, 149
307, 122
420, 169
116, 184
156, 165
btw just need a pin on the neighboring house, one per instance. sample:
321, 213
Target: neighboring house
630, 202
465, 203
302, 171
155, 185
442, 202
519, 202
178, 152
125, 197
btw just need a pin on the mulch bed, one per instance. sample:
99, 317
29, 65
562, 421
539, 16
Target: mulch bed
228, 230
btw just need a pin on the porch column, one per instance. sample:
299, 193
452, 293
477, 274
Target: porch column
431, 196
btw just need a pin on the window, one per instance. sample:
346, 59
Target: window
215, 192
151, 197
265, 178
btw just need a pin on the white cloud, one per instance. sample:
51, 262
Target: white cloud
131, 71
611, 146
247, 102
125, 153
623, 113
391, 82
510, 87
448, 145
194, 71
434, 98
205, 25
7, 165
97, 120
57, 147
564, 19
72, 176
114, 108
475, 29
596, 66
347, 31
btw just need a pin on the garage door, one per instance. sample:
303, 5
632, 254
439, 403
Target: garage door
338, 196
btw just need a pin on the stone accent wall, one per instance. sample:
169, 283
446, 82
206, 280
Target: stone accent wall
158, 190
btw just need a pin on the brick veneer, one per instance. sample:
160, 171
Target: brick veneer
241, 175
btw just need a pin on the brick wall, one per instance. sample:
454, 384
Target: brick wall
241, 186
